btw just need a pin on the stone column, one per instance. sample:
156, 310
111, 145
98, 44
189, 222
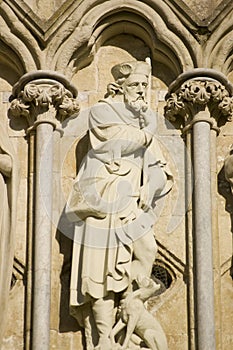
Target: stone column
200, 97
46, 99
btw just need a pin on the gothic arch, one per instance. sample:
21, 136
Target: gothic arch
168, 40
10, 67
218, 51
65, 42
18, 47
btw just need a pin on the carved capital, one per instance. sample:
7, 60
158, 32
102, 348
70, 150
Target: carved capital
198, 93
43, 96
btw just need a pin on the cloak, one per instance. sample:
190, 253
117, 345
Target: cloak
104, 202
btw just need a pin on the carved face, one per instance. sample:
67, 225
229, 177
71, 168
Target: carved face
134, 90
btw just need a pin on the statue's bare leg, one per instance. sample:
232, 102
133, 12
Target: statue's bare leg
103, 311
145, 250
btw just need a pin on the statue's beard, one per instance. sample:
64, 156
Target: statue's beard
139, 105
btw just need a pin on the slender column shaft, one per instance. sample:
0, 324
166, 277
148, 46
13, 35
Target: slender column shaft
203, 236
30, 231
42, 242
189, 242
216, 241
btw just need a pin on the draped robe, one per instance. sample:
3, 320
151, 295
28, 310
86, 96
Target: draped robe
104, 202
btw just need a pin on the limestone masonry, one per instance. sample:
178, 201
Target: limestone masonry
116, 174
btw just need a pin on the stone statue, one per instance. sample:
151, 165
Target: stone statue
111, 204
137, 319
228, 167
8, 193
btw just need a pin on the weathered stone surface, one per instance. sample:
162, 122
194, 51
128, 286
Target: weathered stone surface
83, 39
44, 9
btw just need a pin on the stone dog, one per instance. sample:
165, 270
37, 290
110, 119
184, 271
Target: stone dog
138, 320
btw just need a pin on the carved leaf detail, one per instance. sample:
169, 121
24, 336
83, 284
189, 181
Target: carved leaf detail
63, 101
226, 106
198, 92
57, 93
31, 92
195, 92
173, 107
43, 99
33, 99
19, 108
217, 91
68, 107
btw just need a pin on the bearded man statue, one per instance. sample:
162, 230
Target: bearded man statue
111, 200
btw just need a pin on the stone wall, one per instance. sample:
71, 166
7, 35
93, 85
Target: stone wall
83, 40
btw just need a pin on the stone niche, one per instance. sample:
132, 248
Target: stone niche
68, 152
170, 227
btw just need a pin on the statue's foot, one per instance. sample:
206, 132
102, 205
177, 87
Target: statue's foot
117, 347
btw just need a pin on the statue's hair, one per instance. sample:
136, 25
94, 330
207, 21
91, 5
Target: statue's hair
115, 88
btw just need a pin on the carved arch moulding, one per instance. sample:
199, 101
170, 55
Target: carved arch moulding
54, 43
66, 36
152, 25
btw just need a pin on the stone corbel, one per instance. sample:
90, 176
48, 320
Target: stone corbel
200, 97
45, 99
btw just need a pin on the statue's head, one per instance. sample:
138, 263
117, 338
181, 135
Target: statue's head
131, 81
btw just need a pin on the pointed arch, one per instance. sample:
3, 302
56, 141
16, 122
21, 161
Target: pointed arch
219, 48
18, 47
158, 26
